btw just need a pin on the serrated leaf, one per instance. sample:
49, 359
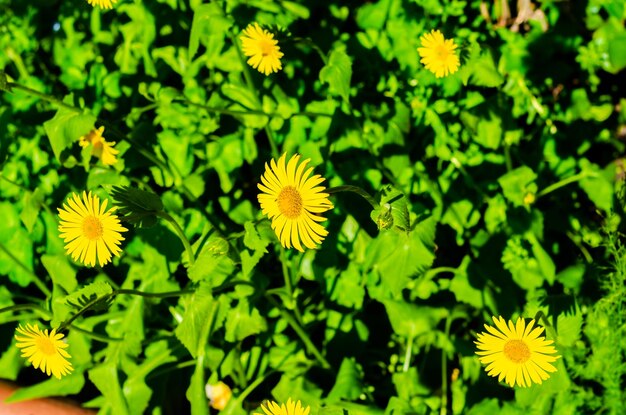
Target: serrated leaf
137, 206
60, 270
213, 264
106, 380
393, 211
96, 294
337, 74
410, 320
194, 328
207, 20
31, 205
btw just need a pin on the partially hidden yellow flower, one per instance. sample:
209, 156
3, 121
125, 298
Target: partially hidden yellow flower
100, 147
89, 231
103, 4
218, 394
438, 54
293, 202
291, 408
46, 351
517, 354
262, 48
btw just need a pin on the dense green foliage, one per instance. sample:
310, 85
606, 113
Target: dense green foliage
498, 191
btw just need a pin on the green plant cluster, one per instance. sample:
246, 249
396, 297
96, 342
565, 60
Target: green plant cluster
496, 192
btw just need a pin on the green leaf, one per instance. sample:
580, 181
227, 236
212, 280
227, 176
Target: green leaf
96, 294
597, 185
393, 211
104, 376
66, 128
136, 206
337, 74
213, 264
60, 270
67, 385
253, 241
569, 327
243, 321
194, 328
517, 184
31, 203
348, 384
195, 393
617, 52
410, 320
208, 19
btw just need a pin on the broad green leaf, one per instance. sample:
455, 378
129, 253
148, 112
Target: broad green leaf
348, 384
60, 270
212, 264
517, 184
617, 51
208, 20
569, 327
31, 203
410, 320
66, 127
193, 331
597, 185
337, 74
243, 321
67, 385
105, 377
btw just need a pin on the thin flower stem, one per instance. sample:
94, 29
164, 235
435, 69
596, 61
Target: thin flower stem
289, 285
255, 93
45, 97
181, 235
565, 182
95, 336
247, 391
309, 42
42, 287
357, 190
302, 334
20, 307
408, 353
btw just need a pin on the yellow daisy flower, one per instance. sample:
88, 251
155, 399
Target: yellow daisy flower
89, 231
45, 351
292, 408
103, 4
293, 200
218, 394
101, 148
516, 353
262, 48
438, 55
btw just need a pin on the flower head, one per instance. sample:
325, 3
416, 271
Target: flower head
218, 394
89, 231
101, 148
293, 200
438, 55
44, 350
103, 4
516, 353
291, 408
262, 48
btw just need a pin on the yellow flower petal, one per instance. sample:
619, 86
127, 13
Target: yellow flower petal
437, 54
262, 48
44, 350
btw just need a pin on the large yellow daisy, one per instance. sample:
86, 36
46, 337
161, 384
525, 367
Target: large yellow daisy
291, 408
103, 4
293, 200
44, 350
89, 231
262, 48
517, 354
102, 148
438, 55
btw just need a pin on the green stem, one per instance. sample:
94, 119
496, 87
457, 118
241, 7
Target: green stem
302, 334
444, 372
247, 391
255, 93
357, 190
309, 42
565, 182
97, 337
289, 285
181, 235
541, 316
42, 287
45, 97
408, 353
20, 307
